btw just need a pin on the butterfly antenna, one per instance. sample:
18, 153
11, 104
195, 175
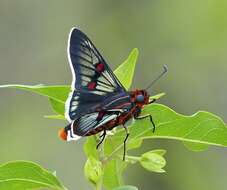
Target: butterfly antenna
165, 69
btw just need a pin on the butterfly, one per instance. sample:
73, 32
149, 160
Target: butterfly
98, 101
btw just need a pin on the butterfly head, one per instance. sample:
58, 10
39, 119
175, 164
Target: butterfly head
140, 97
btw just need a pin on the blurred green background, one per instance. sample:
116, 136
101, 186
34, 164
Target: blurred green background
189, 36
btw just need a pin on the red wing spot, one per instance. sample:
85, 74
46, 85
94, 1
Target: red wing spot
100, 67
91, 85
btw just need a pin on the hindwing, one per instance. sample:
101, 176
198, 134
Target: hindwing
89, 122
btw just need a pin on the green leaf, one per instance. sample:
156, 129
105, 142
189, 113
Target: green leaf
93, 170
57, 106
153, 161
126, 70
202, 127
22, 175
59, 93
128, 187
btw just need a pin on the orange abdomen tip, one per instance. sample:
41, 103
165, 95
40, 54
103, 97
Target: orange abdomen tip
62, 134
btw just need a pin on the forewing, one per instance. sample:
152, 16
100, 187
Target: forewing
88, 65
93, 80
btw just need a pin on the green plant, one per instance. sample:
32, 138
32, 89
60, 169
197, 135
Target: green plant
104, 167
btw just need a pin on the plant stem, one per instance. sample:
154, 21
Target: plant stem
101, 159
132, 159
99, 185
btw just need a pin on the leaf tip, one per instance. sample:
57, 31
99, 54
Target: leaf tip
157, 96
135, 51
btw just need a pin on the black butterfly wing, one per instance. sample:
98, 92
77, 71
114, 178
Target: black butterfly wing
93, 80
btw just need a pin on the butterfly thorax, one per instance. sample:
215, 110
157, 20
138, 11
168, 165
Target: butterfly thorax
131, 108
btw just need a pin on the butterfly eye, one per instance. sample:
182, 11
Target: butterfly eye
140, 98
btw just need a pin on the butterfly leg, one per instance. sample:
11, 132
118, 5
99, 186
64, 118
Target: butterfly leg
145, 116
102, 139
127, 135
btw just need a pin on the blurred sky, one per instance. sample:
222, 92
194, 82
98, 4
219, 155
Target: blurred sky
189, 36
